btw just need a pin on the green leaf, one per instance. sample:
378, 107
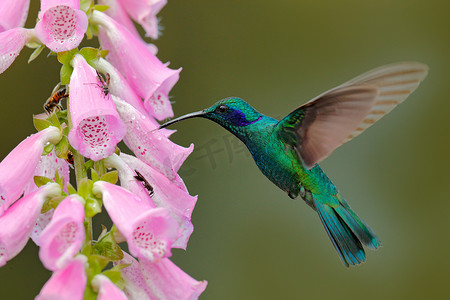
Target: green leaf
93, 206
62, 148
110, 177
94, 175
89, 53
41, 124
65, 73
41, 180
101, 8
36, 53
48, 149
71, 189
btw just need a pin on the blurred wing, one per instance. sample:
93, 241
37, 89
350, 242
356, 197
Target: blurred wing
318, 127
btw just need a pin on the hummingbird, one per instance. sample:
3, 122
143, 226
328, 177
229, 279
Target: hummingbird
288, 151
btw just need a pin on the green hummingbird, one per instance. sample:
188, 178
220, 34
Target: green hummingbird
288, 151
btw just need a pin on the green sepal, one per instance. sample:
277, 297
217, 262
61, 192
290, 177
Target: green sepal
71, 189
65, 57
96, 265
116, 277
93, 206
110, 177
101, 8
41, 180
65, 73
89, 53
85, 187
89, 164
47, 149
36, 53
41, 124
62, 148
86, 5
107, 246
52, 203
94, 175
33, 45
89, 33
99, 166
59, 179
104, 53
54, 120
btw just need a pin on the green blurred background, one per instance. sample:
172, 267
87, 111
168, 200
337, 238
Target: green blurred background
251, 241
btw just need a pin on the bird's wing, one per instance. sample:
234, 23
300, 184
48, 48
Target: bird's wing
318, 127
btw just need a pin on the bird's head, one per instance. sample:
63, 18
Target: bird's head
231, 113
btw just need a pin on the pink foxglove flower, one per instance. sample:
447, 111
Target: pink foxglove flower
17, 169
144, 13
106, 289
150, 145
17, 222
169, 195
149, 231
147, 75
161, 280
62, 24
62, 238
13, 13
97, 127
68, 283
11, 43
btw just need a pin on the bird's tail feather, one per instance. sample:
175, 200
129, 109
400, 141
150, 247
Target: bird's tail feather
347, 232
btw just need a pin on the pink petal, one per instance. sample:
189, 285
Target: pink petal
62, 25
117, 12
149, 231
66, 284
13, 14
144, 13
106, 289
169, 195
147, 75
11, 43
167, 281
63, 237
150, 145
127, 179
97, 127
17, 222
135, 285
40, 224
17, 169
47, 167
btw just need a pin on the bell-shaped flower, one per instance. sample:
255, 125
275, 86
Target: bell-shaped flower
144, 13
68, 283
11, 43
169, 195
150, 145
150, 232
97, 127
17, 169
161, 280
63, 236
13, 13
148, 76
106, 289
17, 222
61, 24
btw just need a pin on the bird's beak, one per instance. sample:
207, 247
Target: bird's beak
188, 116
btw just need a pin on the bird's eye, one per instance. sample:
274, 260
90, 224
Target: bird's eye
221, 109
